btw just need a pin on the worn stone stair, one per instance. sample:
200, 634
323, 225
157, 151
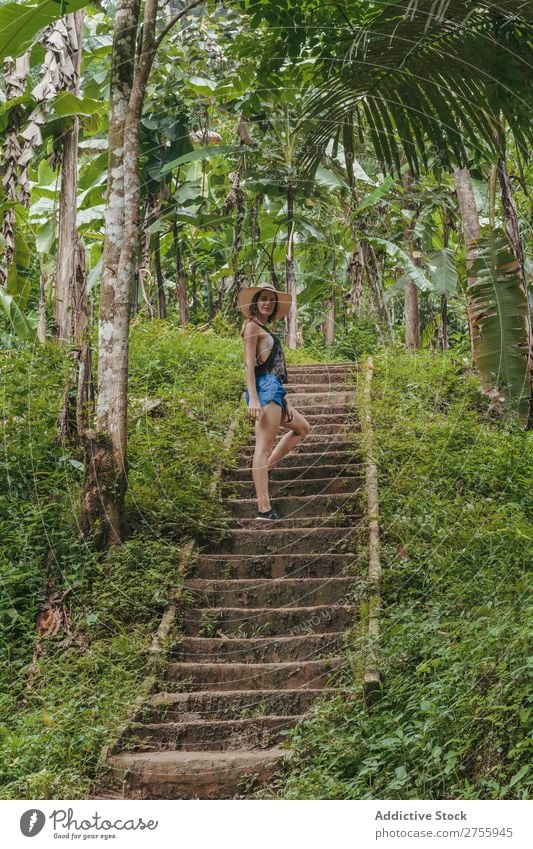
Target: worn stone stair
267, 611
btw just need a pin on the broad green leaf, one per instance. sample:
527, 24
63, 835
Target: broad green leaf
498, 308
413, 272
67, 104
376, 195
325, 177
20, 23
201, 85
202, 153
442, 271
20, 324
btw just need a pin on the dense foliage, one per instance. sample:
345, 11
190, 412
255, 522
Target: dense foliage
456, 545
59, 705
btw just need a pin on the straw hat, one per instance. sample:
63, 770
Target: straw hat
246, 295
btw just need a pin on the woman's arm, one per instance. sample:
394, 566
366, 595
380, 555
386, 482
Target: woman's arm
251, 333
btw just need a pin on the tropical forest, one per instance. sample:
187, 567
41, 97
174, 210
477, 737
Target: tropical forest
160, 162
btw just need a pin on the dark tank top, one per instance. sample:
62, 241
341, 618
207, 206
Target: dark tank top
275, 362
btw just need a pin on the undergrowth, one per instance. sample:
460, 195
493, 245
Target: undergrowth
453, 721
59, 707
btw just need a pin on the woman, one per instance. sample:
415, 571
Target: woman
266, 372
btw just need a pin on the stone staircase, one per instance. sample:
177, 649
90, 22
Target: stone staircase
271, 604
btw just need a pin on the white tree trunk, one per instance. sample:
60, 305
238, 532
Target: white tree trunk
65, 318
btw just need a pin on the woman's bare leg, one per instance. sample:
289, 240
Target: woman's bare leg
299, 427
265, 433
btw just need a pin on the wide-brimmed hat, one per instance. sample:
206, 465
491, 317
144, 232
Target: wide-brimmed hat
246, 296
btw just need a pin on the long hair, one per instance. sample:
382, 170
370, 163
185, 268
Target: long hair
254, 312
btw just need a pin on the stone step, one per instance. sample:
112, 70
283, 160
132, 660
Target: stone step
320, 432
341, 517
312, 412
328, 415
312, 444
324, 386
268, 592
272, 565
252, 676
266, 621
322, 400
303, 486
308, 460
276, 540
194, 775
297, 506
321, 368
327, 457
302, 470
231, 704
217, 735
257, 649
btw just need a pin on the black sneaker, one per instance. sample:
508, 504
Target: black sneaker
269, 514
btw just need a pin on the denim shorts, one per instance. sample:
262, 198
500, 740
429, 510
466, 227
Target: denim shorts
269, 388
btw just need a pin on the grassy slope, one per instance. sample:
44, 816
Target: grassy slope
51, 733
456, 539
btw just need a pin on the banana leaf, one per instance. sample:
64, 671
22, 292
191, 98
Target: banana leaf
499, 316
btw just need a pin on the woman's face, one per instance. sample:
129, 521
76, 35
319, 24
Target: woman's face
266, 304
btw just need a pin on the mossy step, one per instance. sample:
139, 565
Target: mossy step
253, 676
193, 775
257, 649
219, 735
296, 506
265, 592
299, 487
276, 540
272, 565
232, 704
267, 621
323, 469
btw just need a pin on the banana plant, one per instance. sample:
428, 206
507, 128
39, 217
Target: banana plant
499, 312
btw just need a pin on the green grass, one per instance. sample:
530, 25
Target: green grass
58, 710
455, 487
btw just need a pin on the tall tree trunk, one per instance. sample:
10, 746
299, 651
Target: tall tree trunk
255, 233
194, 288
41, 324
106, 465
443, 326
16, 72
329, 332
377, 291
411, 316
512, 228
66, 273
471, 229
144, 270
411, 309
290, 273
238, 274
161, 301
355, 281
181, 282
75, 414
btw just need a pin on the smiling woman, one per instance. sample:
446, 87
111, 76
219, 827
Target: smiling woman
265, 394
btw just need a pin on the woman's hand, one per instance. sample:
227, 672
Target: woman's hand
288, 411
255, 410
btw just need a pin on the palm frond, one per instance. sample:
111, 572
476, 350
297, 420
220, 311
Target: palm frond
442, 86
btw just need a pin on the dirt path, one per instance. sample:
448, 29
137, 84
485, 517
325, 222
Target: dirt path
272, 604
